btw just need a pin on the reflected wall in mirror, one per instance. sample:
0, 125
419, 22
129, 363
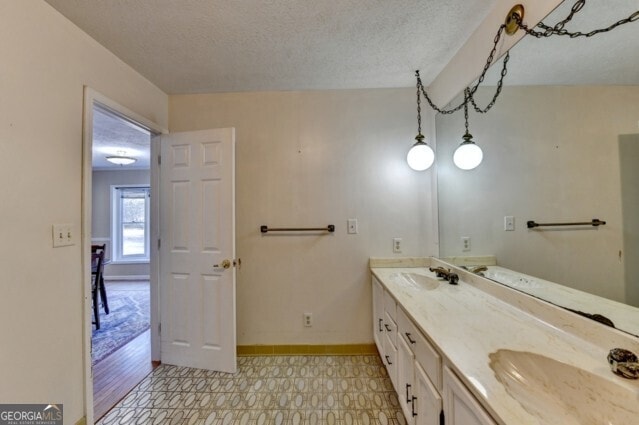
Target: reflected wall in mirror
560, 145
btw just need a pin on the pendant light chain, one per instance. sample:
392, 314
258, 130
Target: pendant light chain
558, 29
419, 108
466, 97
468, 155
489, 62
500, 83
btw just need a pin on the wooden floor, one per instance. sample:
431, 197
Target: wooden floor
117, 374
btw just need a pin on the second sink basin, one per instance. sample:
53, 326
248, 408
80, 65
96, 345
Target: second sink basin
558, 393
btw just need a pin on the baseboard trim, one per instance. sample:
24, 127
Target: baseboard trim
127, 277
310, 350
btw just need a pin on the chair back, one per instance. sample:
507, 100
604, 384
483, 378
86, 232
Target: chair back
97, 260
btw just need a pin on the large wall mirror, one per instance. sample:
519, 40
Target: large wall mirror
561, 145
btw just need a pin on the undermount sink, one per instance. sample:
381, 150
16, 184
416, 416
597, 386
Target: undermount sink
419, 280
558, 393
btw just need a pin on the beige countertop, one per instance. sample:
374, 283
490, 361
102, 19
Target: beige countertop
466, 324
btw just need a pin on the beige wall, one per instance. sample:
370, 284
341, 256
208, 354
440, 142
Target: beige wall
310, 159
101, 217
45, 63
551, 154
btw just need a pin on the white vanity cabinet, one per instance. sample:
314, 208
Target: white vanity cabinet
378, 315
419, 372
428, 391
385, 328
460, 406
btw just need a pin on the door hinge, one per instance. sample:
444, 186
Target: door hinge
159, 328
159, 159
442, 420
159, 243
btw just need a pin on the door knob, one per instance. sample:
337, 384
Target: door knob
225, 264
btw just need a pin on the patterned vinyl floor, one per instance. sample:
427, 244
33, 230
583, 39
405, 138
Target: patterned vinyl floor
280, 390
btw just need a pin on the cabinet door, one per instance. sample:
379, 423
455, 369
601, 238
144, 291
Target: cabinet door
378, 315
424, 352
427, 403
390, 360
460, 406
405, 373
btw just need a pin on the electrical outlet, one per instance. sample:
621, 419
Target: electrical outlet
308, 320
509, 223
397, 245
351, 226
465, 243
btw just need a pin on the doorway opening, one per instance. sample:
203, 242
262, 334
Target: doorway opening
118, 222
120, 339
628, 159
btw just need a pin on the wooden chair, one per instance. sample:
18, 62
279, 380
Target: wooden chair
98, 289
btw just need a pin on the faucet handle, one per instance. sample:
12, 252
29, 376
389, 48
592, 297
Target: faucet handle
439, 272
624, 363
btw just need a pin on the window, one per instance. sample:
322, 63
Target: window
131, 211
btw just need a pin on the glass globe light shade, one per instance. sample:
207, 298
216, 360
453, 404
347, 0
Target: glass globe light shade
421, 156
468, 155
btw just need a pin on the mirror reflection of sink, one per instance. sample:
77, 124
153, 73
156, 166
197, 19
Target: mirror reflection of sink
558, 393
514, 280
417, 280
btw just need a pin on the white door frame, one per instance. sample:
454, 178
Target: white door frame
91, 98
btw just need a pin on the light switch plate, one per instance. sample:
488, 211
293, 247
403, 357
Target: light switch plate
63, 235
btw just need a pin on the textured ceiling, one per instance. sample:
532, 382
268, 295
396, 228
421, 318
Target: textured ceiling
202, 46
115, 136
607, 58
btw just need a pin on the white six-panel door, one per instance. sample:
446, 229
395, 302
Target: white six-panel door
197, 230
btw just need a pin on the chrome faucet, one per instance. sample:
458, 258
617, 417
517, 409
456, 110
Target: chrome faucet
624, 363
441, 272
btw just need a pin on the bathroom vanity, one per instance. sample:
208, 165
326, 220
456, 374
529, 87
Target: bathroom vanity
481, 353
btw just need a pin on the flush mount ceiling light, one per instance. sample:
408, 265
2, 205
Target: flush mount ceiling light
468, 155
421, 156
121, 159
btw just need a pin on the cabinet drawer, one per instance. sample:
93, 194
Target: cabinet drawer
390, 306
391, 329
424, 352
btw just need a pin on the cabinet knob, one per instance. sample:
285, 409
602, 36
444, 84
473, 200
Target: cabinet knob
408, 399
411, 340
388, 360
412, 407
388, 328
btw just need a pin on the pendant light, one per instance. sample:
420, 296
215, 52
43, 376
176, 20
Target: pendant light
468, 155
421, 156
